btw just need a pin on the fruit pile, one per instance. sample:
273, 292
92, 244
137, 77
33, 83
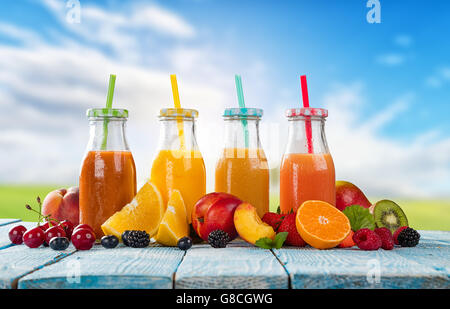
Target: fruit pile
54, 233
353, 222
218, 218
58, 234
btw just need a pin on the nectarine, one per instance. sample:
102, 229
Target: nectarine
62, 205
215, 211
249, 225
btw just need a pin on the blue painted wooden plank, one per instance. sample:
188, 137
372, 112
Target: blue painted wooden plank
240, 265
8, 221
122, 267
435, 237
4, 230
433, 251
354, 268
17, 261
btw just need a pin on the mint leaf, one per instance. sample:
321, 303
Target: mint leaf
359, 217
279, 240
265, 243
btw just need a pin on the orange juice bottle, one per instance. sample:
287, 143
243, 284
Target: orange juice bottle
307, 168
179, 163
108, 172
242, 169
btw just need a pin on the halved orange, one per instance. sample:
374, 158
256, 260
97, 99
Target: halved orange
321, 225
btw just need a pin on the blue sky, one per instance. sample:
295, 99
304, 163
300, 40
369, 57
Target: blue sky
386, 85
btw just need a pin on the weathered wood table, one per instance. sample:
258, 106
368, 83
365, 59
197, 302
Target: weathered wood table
237, 266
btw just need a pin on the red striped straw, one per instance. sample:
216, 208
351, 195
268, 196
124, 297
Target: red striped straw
308, 119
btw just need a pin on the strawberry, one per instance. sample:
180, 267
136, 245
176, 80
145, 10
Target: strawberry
273, 219
395, 236
288, 225
348, 241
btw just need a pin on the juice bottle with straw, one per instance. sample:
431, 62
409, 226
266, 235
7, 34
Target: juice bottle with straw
179, 163
242, 170
108, 172
307, 168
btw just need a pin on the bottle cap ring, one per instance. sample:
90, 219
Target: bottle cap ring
307, 112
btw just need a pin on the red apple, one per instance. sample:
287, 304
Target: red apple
215, 211
62, 205
348, 194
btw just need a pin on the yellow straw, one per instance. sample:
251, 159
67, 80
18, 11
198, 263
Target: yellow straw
176, 102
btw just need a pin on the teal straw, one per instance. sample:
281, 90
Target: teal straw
240, 95
109, 99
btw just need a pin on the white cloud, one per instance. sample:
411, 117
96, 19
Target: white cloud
379, 164
403, 40
391, 59
440, 77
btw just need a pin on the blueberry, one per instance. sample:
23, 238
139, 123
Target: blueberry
185, 243
59, 243
110, 241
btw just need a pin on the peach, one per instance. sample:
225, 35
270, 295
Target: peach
215, 211
62, 205
249, 225
347, 194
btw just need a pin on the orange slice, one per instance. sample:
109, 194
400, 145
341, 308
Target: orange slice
174, 224
144, 212
321, 225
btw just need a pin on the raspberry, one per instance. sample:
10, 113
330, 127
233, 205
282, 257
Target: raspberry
348, 241
273, 219
367, 239
387, 241
408, 237
398, 232
293, 238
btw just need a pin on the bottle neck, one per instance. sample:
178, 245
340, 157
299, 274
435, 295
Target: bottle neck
298, 139
176, 134
242, 133
107, 135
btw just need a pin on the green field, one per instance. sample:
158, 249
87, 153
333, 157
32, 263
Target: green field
14, 198
422, 214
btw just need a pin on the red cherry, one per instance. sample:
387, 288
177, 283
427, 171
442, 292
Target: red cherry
46, 225
68, 227
83, 239
83, 226
54, 231
16, 233
33, 238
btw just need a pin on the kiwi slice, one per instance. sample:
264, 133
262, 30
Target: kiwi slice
389, 214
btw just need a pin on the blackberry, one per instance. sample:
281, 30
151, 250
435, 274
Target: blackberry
135, 239
218, 239
408, 237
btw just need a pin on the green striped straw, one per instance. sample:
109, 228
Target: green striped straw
240, 95
109, 99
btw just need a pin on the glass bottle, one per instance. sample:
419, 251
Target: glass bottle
307, 168
242, 170
108, 172
179, 163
